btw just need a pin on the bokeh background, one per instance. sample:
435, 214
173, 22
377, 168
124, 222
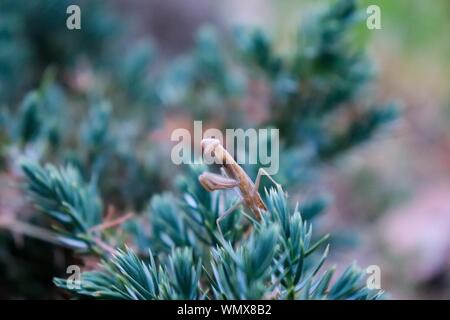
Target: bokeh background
388, 199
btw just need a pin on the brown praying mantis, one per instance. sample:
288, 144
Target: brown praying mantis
232, 177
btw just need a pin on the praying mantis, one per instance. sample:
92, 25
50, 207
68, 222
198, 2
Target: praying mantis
232, 177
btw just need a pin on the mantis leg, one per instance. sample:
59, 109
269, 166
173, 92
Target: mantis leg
262, 172
227, 213
211, 182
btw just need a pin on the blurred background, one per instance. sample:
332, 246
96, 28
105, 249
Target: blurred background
139, 69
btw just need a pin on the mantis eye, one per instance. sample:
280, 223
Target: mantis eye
206, 143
